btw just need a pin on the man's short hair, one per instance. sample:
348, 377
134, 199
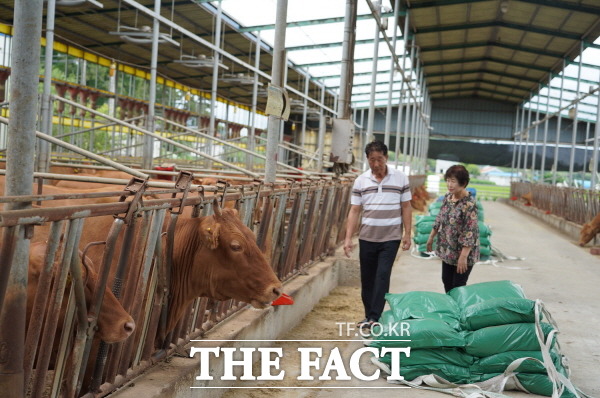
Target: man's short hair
376, 146
459, 172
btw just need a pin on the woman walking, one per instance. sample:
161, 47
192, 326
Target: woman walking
457, 230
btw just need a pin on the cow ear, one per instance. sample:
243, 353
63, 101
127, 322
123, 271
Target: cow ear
210, 235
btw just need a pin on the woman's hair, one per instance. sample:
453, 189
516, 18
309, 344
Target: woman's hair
376, 146
460, 173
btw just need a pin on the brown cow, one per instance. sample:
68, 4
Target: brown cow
214, 256
217, 257
589, 230
114, 323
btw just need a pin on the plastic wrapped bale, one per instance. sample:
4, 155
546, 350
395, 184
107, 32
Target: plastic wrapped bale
496, 339
424, 305
422, 333
498, 363
480, 292
498, 311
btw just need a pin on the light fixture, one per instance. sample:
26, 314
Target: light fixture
239, 78
141, 35
200, 61
77, 3
504, 6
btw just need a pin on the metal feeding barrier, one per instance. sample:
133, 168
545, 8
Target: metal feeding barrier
296, 223
573, 204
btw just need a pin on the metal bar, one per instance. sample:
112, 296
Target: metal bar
148, 148
41, 298
251, 139
43, 161
543, 165
574, 134
388, 114
558, 123
215, 71
321, 138
277, 79
347, 57
526, 150
56, 302
19, 163
594, 168
371, 115
226, 143
134, 127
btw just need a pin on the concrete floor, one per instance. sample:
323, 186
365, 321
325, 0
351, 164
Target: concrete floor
557, 271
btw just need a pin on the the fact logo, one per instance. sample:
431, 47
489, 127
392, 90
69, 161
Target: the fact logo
310, 358
313, 361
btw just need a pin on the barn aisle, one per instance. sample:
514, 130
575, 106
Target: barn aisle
557, 271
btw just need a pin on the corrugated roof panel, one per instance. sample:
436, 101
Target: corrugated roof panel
478, 34
475, 52
485, 11
551, 18
560, 44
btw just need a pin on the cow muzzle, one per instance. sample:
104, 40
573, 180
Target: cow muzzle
272, 293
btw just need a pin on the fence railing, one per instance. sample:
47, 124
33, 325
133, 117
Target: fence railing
573, 204
297, 224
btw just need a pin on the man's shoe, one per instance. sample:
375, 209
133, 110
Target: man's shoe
365, 324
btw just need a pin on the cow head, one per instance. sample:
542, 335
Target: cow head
217, 257
114, 323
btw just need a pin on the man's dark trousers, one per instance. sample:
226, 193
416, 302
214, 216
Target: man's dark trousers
376, 261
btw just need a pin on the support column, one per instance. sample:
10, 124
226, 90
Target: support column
388, 113
148, 152
276, 80
20, 152
371, 116
575, 118
543, 165
558, 123
402, 92
43, 152
251, 138
514, 152
596, 149
322, 130
215, 80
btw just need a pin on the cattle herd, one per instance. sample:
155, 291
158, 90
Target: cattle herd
214, 256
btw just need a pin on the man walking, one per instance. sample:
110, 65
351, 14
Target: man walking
383, 193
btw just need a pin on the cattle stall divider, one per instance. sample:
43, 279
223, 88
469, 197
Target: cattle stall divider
294, 223
573, 204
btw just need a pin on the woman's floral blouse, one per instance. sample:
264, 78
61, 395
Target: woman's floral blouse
457, 227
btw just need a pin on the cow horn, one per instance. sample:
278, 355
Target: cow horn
216, 207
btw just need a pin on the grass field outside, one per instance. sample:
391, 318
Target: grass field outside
484, 191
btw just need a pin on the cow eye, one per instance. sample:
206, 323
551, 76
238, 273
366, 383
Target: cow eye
235, 245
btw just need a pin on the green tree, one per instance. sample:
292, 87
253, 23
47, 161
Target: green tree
473, 170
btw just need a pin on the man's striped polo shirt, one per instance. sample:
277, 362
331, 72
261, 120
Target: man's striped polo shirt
381, 204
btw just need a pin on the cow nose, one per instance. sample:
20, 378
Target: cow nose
277, 291
129, 327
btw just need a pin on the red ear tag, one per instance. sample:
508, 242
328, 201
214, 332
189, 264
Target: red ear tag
284, 299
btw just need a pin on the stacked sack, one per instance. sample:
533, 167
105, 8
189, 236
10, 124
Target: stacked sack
487, 333
423, 227
433, 321
424, 224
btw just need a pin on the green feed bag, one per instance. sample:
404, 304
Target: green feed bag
425, 356
498, 363
496, 339
424, 305
422, 333
498, 311
478, 292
